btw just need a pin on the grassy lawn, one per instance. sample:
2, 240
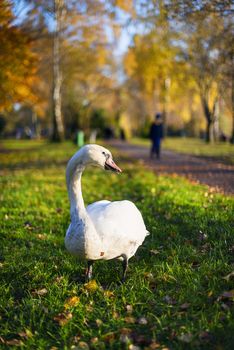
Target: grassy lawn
220, 151
180, 286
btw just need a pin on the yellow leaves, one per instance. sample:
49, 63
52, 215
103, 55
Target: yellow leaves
130, 63
71, 302
91, 286
125, 5
65, 316
18, 65
108, 294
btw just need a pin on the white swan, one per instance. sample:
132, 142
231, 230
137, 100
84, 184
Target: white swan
104, 230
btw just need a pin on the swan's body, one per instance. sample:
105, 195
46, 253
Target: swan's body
104, 230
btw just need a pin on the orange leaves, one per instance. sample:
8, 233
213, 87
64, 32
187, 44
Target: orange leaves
63, 318
126, 6
18, 62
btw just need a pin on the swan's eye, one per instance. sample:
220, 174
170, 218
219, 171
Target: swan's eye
106, 155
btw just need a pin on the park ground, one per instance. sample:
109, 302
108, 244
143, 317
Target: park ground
180, 285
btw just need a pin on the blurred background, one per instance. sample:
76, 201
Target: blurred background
105, 68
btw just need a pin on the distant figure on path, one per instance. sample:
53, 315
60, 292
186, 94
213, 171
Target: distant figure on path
156, 134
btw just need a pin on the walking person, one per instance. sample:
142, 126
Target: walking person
156, 134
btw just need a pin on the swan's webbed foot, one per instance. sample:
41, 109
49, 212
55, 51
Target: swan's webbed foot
125, 267
89, 271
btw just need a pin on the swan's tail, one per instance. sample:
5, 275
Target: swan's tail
147, 233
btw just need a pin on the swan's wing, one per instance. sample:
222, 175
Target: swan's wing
96, 206
119, 225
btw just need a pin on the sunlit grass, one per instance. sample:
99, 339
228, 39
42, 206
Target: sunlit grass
173, 296
197, 147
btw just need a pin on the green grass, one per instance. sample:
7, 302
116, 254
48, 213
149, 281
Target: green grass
173, 297
220, 151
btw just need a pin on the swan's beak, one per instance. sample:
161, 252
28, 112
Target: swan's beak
110, 165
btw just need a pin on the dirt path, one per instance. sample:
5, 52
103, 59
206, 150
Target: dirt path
210, 172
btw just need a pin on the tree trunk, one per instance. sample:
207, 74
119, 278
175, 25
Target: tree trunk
232, 136
58, 129
209, 120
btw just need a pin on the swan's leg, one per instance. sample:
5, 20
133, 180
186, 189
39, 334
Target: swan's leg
89, 270
125, 267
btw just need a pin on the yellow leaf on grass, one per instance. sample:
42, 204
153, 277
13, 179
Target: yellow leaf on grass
108, 293
91, 286
71, 302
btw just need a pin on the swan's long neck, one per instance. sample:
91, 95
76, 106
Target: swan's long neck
73, 177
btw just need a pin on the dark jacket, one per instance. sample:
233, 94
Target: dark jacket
156, 131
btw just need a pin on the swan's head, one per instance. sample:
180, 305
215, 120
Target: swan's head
98, 156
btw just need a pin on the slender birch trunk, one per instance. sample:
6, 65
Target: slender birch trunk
58, 129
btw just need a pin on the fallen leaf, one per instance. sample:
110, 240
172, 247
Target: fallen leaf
227, 278
16, 342
154, 251
71, 302
94, 340
115, 315
76, 339
124, 338
130, 319
108, 293
25, 334
81, 346
91, 286
22, 334
195, 264
125, 331
129, 309
154, 346
63, 318
40, 292
98, 322
184, 306
225, 307
227, 295
134, 347
41, 236
169, 300
186, 338
109, 337
58, 279
142, 320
